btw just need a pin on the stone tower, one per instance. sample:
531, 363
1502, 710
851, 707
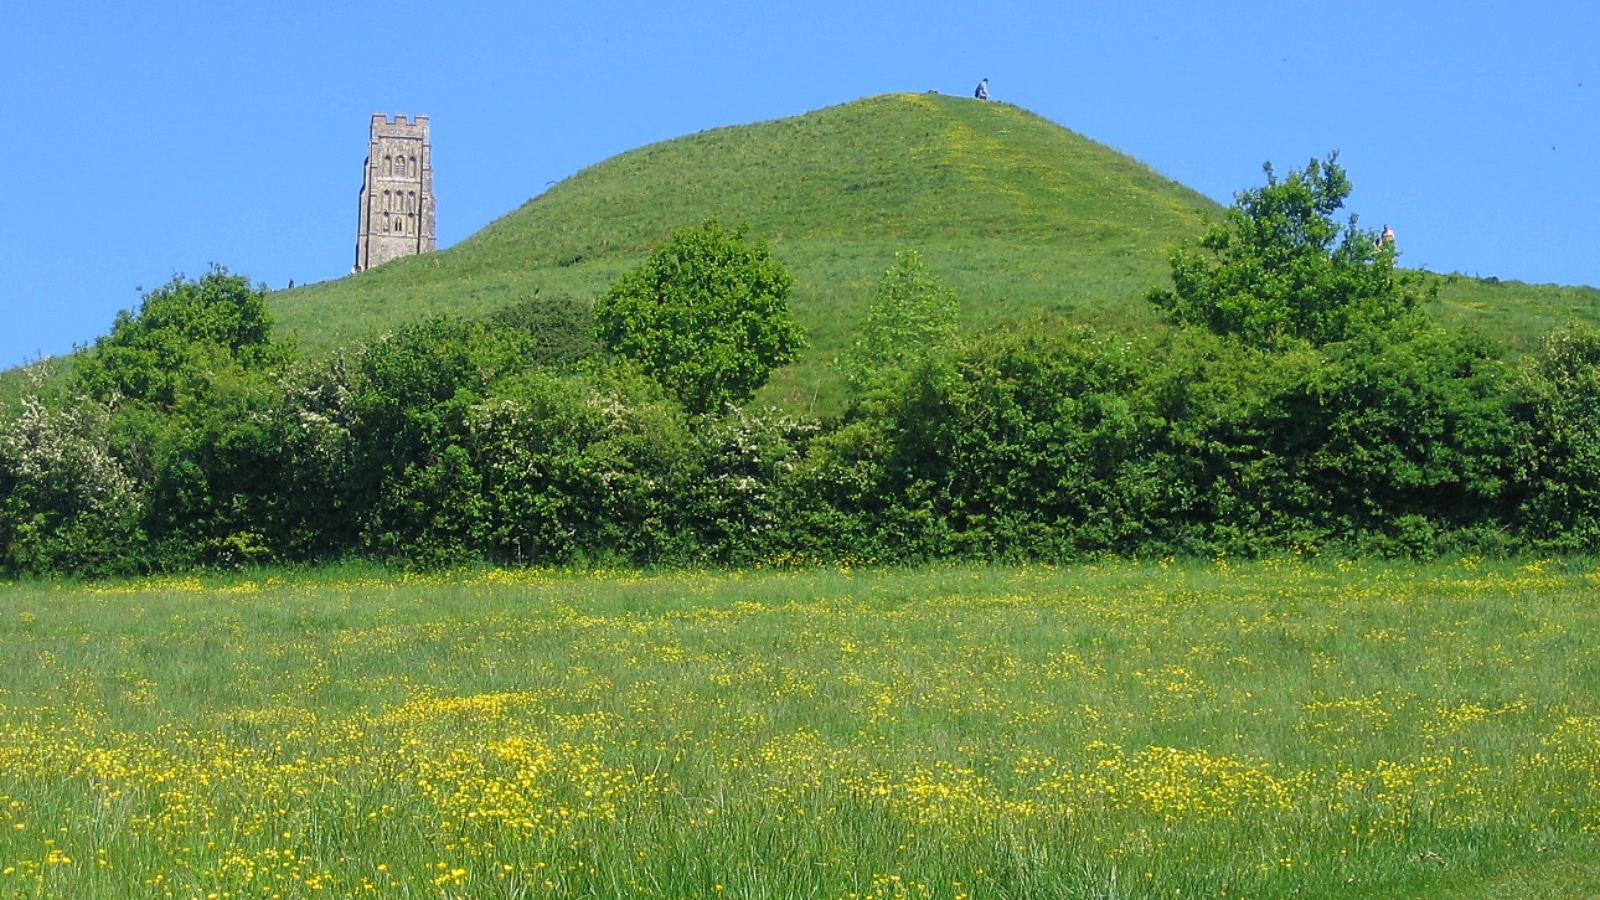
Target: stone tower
397, 193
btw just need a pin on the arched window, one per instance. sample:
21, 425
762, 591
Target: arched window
388, 165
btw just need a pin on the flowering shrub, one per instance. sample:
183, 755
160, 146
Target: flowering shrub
66, 502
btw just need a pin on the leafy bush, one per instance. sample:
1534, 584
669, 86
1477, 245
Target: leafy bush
707, 315
181, 331
67, 504
1306, 448
1559, 398
1278, 268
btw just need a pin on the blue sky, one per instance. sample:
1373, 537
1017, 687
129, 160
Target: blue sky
145, 139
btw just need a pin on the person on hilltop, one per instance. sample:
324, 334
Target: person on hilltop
982, 93
1387, 238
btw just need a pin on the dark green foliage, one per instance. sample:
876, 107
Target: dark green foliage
1354, 444
557, 331
181, 332
408, 400
576, 467
1317, 409
707, 315
1278, 268
1560, 400
218, 473
1024, 445
429, 448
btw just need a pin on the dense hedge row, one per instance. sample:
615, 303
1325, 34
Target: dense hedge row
453, 441
1303, 402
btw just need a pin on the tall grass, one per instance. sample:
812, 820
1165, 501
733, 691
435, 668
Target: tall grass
1269, 730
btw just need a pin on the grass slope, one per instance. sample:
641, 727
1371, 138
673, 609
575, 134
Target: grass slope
1022, 216
1515, 312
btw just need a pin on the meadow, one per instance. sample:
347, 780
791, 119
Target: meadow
1262, 730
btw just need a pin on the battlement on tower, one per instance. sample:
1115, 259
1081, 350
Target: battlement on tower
399, 125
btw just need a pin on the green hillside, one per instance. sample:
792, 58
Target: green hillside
1022, 216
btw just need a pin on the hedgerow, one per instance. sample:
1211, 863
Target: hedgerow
1304, 401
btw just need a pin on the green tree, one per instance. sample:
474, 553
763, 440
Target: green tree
707, 315
186, 381
182, 331
912, 313
1278, 269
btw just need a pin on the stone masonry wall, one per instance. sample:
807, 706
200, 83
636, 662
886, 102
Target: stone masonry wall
397, 206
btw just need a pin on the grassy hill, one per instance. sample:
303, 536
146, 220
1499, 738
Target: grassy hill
1022, 216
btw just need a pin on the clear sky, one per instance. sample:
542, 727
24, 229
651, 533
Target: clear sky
146, 138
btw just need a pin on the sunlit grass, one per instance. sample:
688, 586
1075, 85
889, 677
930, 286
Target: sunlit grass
1272, 730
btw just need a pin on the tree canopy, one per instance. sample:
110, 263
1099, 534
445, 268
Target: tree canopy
912, 313
707, 315
1279, 269
182, 328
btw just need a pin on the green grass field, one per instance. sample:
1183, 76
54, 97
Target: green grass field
1269, 730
